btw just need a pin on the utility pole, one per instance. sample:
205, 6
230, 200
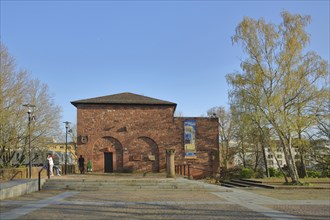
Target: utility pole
66, 145
30, 118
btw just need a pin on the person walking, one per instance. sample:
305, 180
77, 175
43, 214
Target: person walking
81, 162
51, 164
57, 170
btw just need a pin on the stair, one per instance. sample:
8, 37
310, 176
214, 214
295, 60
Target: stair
256, 183
232, 183
115, 183
245, 183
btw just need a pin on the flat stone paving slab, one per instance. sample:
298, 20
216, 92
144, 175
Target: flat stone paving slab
310, 211
123, 205
168, 204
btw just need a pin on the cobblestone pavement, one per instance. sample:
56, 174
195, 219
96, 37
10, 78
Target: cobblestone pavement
162, 204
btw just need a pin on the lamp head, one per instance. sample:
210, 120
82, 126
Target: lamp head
67, 124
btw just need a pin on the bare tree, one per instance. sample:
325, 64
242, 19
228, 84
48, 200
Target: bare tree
226, 132
17, 89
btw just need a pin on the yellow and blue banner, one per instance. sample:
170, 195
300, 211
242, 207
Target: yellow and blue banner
190, 138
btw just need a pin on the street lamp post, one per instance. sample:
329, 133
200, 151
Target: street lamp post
66, 145
30, 118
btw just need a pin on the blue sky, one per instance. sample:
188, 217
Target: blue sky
178, 51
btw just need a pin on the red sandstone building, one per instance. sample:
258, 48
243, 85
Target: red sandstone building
130, 133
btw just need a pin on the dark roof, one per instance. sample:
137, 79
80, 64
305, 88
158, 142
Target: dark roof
122, 99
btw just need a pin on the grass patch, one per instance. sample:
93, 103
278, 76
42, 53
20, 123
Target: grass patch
298, 184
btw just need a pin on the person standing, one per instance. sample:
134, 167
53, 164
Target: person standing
57, 170
51, 164
81, 162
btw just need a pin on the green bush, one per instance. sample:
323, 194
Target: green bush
271, 171
313, 174
247, 173
326, 173
231, 173
274, 172
260, 173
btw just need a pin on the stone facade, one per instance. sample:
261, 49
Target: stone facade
132, 135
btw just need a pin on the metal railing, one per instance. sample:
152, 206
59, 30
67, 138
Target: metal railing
185, 170
39, 175
20, 171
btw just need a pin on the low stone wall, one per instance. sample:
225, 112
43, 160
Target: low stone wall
19, 187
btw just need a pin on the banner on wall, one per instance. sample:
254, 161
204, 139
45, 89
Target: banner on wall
190, 139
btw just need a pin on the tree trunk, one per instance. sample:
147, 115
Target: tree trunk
290, 163
265, 159
257, 157
302, 167
282, 171
224, 150
263, 147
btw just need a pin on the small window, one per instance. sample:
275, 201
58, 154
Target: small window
270, 156
279, 156
61, 147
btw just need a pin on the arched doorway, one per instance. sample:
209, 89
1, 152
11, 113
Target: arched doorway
151, 153
107, 155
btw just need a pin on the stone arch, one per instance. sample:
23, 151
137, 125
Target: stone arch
152, 152
104, 145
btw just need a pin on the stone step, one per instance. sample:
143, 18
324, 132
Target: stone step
250, 180
63, 183
245, 183
114, 183
232, 183
254, 184
110, 187
227, 185
82, 184
239, 183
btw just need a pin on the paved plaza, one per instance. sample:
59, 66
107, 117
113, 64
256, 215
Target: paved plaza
212, 203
